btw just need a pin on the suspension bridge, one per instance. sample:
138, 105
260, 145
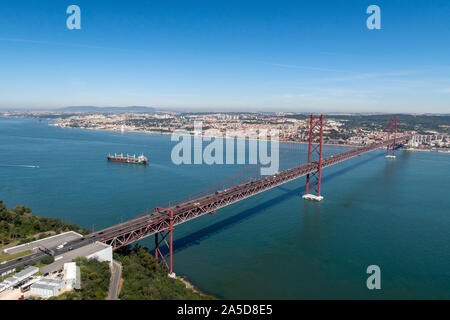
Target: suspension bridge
162, 220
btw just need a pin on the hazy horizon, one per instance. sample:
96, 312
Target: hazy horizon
180, 110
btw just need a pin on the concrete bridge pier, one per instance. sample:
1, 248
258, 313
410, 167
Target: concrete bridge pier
312, 197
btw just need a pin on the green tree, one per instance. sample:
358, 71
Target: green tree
95, 277
48, 260
20, 224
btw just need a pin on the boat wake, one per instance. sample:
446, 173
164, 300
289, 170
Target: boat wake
19, 166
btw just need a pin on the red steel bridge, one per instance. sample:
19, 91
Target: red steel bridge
162, 220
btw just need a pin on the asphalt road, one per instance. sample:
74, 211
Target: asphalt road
38, 256
22, 262
116, 275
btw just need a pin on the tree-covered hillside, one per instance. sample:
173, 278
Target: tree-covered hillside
144, 279
21, 225
95, 277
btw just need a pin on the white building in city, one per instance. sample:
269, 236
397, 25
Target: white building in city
103, 252
72, 275
18, 277
47, 288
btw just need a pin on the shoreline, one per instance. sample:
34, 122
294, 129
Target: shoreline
203, 136
53, 123
239, 138
192, 287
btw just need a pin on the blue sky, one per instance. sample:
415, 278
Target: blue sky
227, 55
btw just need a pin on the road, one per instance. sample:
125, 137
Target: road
114, 285
38, 256
48, 242
22, 262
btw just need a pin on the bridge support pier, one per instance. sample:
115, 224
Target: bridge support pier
169, 244
312, 197
313, 180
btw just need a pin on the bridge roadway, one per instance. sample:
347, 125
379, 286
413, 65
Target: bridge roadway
147, 225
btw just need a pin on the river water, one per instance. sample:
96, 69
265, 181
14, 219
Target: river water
394, 214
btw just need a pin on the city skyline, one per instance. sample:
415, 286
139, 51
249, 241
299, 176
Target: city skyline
205, 56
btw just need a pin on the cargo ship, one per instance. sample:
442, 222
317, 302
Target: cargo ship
128, 159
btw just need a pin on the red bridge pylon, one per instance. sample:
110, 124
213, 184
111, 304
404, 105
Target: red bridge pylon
392, 130
169, 244
313, 180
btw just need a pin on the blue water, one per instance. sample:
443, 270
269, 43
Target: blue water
394, 214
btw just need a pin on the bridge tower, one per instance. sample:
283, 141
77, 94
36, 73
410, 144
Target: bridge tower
313, 180
390, 149
169, 245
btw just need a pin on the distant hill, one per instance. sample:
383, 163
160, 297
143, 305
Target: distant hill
107, 109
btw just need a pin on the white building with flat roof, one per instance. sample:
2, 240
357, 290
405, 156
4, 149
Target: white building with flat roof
72, 275
104, 253
47, 288
18, 277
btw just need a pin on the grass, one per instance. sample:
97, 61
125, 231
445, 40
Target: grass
6, 257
